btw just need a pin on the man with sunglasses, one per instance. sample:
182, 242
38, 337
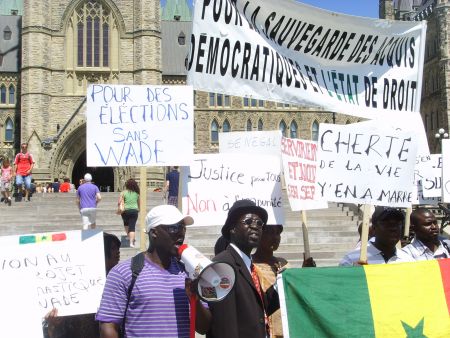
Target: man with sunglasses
158, 305
243, 313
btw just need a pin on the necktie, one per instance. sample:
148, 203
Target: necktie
255, 279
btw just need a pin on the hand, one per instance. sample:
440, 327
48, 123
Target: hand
308, 263
191, 287
359, 263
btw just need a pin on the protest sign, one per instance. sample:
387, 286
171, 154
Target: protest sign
300, 165
139, 125
213, 182
366, 164
67, 269
255, 142
446, 170
431, 176
289, 52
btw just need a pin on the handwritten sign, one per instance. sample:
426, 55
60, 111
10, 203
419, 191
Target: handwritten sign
366, 164
300, 166
215, 181
256, 142
67, 269
431, 176
446, 170
139, 125
290, 52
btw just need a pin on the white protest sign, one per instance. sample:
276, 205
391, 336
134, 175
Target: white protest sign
255, 142
67, 269
299, 165
421, 167
215, 181
139, 125
446, 170
366, 164
431, 176
289, 52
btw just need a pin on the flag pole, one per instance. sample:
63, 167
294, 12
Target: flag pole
364, 233
305, 236
143, 208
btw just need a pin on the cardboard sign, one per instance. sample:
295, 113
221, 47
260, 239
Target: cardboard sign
446, 170
366, 164
255, 142
66, 270
286, 51
139, 125
300, 166
431, 176
213, 182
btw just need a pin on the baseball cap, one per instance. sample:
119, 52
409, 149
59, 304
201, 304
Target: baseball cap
88, 177
382, 213
165, 214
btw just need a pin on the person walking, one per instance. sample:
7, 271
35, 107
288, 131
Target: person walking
131, 201
24, 164
88, 196
6, 178
172, 181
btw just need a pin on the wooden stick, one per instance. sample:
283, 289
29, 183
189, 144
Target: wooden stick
407, 222
143, 208
365, 233
305, 236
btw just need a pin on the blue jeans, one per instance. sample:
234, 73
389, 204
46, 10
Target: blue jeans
20, 180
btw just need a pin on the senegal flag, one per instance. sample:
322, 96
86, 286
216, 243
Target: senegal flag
388, 300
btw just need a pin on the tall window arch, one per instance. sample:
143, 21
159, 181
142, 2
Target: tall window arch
214, 131
315, 131
3, 94
9, 130
12, 95
282, 126
293, 130
260, 125
249, 125
226, 127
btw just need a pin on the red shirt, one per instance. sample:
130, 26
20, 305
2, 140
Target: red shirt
23, 163
64, 187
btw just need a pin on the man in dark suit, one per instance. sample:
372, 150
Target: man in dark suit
243, 313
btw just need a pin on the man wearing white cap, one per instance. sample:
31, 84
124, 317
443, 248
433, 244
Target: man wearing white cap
88, 197
157, 304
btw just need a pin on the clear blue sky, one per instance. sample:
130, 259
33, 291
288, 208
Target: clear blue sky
353, 7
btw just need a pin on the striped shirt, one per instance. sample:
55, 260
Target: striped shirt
158, 305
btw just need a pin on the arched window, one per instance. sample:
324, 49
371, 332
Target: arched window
195, 134
7, 33
9, 130
12, 96
347, 122
315, 131
260, 125
182, 39
293, 129
226, 126
3, 94
249, 125
214, 132
282, 126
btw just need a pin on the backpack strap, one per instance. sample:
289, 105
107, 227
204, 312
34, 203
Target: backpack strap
137, 264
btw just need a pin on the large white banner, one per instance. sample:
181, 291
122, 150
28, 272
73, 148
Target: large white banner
255, 142
213, 182
366, 164
300, 167
139, 125
446, 170
289, 52
65, 270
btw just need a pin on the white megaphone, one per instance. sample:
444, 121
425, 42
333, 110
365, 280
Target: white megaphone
215, 279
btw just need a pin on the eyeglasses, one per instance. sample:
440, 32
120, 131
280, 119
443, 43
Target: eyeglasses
173, 229
250, 221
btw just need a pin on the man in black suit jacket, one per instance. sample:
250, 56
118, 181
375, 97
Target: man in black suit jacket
243, 313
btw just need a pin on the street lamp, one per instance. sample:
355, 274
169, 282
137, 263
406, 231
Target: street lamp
440, 135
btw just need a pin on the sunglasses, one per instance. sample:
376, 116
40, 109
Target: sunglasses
249, 221
173, 229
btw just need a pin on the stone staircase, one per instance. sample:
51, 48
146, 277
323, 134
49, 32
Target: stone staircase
332, 231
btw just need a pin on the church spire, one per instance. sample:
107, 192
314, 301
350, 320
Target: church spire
176, 10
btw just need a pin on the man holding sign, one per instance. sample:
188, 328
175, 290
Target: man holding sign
387, 225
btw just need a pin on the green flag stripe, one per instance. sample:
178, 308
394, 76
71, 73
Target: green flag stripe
328, 302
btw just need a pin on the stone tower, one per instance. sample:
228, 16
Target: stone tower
68, 45
386, 9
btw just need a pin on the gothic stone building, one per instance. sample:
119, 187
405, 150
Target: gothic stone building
59, 47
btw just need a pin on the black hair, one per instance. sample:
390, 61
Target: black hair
108, 239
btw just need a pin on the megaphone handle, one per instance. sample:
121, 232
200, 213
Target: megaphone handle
193, 306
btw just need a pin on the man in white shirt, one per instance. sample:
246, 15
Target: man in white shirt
387, 226
426, 244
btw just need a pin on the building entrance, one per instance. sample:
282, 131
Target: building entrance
103, 177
